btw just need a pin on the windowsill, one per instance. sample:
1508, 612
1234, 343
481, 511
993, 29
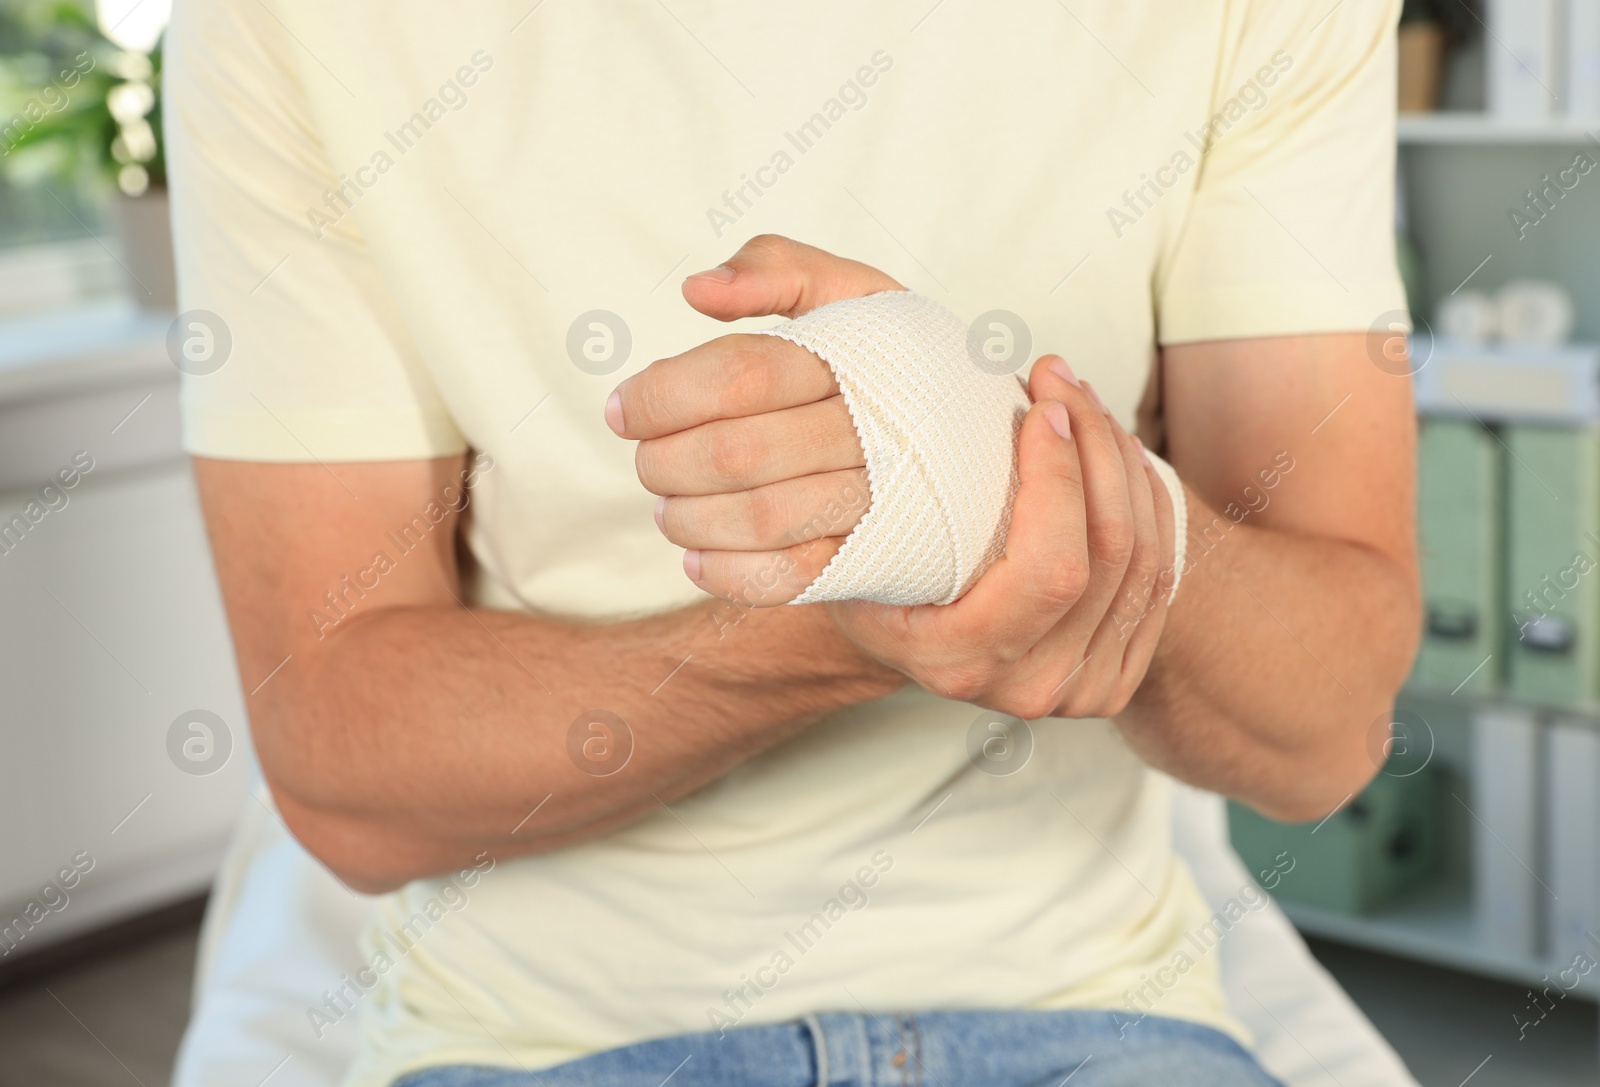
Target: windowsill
95, 346
95, 379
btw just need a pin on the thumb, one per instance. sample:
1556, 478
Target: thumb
772, 274
1045, 567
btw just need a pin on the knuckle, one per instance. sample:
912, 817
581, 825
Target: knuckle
1070, 705
749, 382
1031, 703
1069, 479
773, 244
1085, 696
1113, 540
966, 682
1006, 654
766, 514
733, 454
1064, 585
1116, 692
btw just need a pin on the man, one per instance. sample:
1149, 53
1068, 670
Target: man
673, 825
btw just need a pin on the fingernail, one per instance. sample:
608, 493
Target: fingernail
1059, 367
614, 412
1101, 404
1056, 412
661, 508
691, 564
1144, 454
720, 274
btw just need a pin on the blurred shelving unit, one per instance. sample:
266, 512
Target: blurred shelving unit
1440, 923
1473, 128
1437, 925
1461, 174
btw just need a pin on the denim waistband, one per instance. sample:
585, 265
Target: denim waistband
1075, 1048
1021, 1049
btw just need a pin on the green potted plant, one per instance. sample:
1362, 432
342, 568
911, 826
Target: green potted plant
77, 110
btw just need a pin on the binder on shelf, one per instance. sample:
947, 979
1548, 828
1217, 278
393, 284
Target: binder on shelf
1552, 580
1460, 513
1507, 896
1572, 838
1524, 77
1376, 849
1583, 59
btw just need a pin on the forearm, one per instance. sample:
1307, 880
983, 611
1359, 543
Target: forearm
1280, 652
419, 737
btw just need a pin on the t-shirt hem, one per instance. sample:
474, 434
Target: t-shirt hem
1233, 313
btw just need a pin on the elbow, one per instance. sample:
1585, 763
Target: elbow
360, 874
1329, 764
1402, 618
352, 853
315, 803
1360, 741
377, 855
1330, 775
1332, 790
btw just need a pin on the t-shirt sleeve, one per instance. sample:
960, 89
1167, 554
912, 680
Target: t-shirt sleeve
316, 361
1292, 226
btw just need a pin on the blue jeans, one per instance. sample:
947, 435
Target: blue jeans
932, 1049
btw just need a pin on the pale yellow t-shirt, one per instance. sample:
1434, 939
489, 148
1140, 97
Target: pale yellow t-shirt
401, 211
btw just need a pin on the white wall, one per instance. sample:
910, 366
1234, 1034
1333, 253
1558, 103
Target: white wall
110, 629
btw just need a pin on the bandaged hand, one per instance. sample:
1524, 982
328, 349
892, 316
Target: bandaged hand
1057, 559
747, 438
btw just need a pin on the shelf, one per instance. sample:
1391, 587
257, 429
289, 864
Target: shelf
1435, 926
1568, 712
1478, 129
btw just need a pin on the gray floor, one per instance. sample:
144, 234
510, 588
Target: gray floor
1445, 1024
113, 1021
117, 1020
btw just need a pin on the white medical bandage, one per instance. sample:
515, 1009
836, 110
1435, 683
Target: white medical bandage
939, 434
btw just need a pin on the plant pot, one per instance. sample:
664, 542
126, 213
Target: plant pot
1421, 66
145, 227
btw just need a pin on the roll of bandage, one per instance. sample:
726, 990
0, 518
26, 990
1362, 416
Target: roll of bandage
939, 434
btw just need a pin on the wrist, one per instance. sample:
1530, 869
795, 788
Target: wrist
812, 650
